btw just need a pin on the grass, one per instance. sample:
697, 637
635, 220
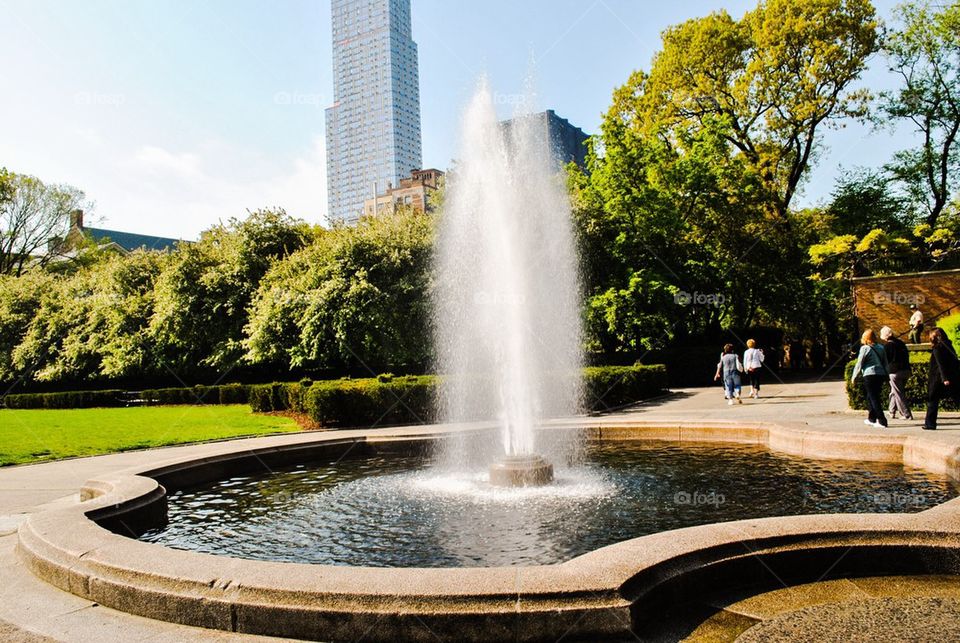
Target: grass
28, 435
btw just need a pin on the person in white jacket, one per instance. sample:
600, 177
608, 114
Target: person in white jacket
752, 364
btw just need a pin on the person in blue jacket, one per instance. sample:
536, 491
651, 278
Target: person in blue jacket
872, 364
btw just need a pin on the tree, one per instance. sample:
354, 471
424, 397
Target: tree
925, 53
863, 200
32, 216
776, 77
203, 294
357, 296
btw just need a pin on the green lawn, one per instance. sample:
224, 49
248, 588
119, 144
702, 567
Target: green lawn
35, 435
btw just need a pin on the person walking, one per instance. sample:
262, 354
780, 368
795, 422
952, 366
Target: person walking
729, 369
916, 325
898, 368
944, 376
752, 363
872, 364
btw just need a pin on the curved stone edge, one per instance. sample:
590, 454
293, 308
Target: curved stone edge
604, 592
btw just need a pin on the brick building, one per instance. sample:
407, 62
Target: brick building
413, 191
886, 300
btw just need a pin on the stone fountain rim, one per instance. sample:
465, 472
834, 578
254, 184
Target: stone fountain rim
65, 547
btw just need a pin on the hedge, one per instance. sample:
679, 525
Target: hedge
916, 386
384, 399
222, 394
411, 399
612, 386
65, 400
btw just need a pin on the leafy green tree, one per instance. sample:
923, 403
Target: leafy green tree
33, 215
924, 51
776, 78
20, 299
357, 296
864, 200
696, 166
203, 293
92, 324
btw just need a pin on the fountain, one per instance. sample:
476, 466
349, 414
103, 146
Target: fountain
506, 301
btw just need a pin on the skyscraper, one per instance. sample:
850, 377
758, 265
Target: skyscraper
373, 126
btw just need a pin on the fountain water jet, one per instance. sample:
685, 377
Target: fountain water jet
506, 298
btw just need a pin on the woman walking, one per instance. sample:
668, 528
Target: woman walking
944, 375
872, 364
730, 368
752, 363
898, 367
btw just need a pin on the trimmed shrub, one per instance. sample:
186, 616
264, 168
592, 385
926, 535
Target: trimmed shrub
916, 386
369, 402
65, 400
607, 387
233, 393
168, 396
389, 400
224, 394
264, 398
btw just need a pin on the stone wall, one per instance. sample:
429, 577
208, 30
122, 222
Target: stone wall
885, 301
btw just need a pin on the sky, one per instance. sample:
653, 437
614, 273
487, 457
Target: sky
175, 115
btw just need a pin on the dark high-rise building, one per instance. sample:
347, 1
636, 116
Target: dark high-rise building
567, 141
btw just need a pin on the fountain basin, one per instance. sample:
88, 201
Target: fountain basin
521, 471
611, 591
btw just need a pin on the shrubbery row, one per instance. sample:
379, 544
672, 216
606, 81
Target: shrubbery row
222, 394
916, 386
411, 399
383, 400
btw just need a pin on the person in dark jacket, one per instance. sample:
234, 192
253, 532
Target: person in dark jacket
944, 375
898, 367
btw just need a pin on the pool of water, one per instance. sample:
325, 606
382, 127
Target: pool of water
397, 511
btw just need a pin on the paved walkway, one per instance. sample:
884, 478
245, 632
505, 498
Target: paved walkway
31, 610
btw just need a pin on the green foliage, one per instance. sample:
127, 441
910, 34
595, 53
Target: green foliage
203, 296
32, 215
609, 387
222, 394
916, 390
697, 163
370, 402
67, 400
389, 400
924, 51
864, 200
951, 326
356, 296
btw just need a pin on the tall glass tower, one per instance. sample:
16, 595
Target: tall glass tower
373, 126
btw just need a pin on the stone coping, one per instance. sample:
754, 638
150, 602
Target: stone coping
613, 591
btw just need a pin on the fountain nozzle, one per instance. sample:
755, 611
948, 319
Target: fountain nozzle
521, 471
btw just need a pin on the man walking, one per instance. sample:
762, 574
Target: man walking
898, 368
916, 325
